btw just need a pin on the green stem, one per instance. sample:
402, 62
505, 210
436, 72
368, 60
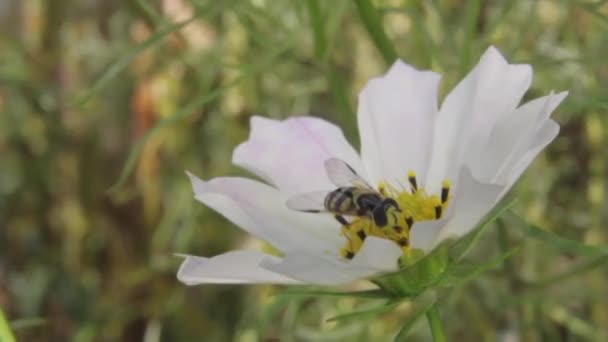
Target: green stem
6, 335
432, 316
373, 24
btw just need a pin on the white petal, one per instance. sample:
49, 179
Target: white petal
512, 137
424, 234
260, 210
375, 257
535, 134
472, 201
290, 154
377, 253
544, 136
236, 267
489, 92
395, 116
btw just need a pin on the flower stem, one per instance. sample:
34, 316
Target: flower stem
432, 316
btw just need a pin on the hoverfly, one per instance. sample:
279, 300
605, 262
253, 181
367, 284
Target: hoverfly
353, 197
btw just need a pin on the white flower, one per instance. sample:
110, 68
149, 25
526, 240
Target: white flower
479, 140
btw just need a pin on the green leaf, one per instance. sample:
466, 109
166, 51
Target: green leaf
420, 309
187, 110
532, 290
123, 62
318, 29
459, 273
473, 10
375, 293
556, 241
27, 323
370, 313
6, 335
412, 280
463, 246
373, 23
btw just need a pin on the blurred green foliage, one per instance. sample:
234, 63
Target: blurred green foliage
104, 104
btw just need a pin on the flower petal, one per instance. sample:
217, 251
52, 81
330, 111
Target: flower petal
377, 253
472, 201
290, 154
488, 93
424, 234
545, 135
395, 115
260, 210
376, 256
236, 267
512, 137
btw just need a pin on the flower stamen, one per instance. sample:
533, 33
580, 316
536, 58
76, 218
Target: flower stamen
411, 177
414, 205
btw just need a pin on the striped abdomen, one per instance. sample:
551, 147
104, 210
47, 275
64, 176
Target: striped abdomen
351, 201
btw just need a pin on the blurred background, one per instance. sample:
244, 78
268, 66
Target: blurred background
105, 103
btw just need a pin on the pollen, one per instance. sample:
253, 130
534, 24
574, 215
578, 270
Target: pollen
415, 205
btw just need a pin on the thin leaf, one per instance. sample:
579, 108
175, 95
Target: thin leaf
532, 290
318, 29
374, 312
185, 111
473, 11
373, 23
27, 323
6, 335
460, 273
575, 271
556, 241
419, 311
376, 293
124, 61
465, 245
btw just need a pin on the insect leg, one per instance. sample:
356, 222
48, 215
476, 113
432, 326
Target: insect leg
341, 219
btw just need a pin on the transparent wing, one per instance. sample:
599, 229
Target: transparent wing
311, 202
341, 174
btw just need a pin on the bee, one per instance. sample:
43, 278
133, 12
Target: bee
353, 197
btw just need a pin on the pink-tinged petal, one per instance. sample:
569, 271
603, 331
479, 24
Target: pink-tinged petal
395, 115
375, 257
260, 210
290, 154
236, 267
491, 91
472, 201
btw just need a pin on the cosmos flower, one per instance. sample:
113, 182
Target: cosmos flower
445, 166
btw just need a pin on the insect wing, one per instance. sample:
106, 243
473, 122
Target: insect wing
342, 175
311, 202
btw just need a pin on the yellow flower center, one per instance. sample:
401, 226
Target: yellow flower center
415, 205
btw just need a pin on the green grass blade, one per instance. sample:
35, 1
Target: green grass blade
575, 271
463, 247
556, 241
370, 313
373, 23
123, 62
376, 293
185, 111
27, 323
318, 28
420, 310
473, 11
6, 335
459, 274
